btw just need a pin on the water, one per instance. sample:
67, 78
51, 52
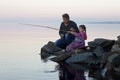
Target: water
20, 46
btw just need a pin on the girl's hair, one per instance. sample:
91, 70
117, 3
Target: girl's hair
83, 27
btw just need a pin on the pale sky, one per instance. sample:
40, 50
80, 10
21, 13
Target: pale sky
108, 9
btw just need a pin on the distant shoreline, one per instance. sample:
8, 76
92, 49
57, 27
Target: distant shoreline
106, 22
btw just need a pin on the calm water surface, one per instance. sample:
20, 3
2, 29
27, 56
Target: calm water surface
20, 46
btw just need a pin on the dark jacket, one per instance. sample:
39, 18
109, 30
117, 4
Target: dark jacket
64, 28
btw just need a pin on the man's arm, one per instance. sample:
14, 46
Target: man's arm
61, 33
75, 33
75, 27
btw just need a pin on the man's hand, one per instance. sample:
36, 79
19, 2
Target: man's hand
71, 32
61, 35
72, 29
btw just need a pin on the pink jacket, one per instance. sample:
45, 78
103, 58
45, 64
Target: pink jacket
80, 37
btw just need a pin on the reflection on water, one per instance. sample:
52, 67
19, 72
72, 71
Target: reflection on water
67, 72
73, 71
20, 46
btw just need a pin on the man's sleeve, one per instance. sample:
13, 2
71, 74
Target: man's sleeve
60, 30
75, 27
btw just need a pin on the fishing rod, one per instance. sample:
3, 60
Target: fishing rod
43, 27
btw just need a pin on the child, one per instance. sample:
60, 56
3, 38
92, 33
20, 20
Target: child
79, 40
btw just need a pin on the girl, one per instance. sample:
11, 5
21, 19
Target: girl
79, 40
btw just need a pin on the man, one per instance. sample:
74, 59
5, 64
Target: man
66, 38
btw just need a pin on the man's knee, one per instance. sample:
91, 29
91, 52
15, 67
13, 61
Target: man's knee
68, 35
57, 43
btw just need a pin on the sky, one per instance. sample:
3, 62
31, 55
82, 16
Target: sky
84, 9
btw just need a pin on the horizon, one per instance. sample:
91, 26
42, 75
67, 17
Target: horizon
57, 20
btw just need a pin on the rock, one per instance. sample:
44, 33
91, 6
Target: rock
107, 55
60, 52
115, 47
114, 61
79, 66
80, 58
99, 51
104, 43
49, 49
44, 52
113, 56
118, 37
118, 41
52, 48
62, 57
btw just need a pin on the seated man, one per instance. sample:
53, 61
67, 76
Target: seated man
66, 38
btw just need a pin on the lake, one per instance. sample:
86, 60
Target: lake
20, 47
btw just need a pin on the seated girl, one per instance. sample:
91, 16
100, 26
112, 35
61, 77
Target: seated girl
79, 40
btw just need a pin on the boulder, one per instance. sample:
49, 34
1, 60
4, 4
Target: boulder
63, 55
98, 51
109, 54
49, 49
104, 43
118, 37
115, 47
85, 57
118, 41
